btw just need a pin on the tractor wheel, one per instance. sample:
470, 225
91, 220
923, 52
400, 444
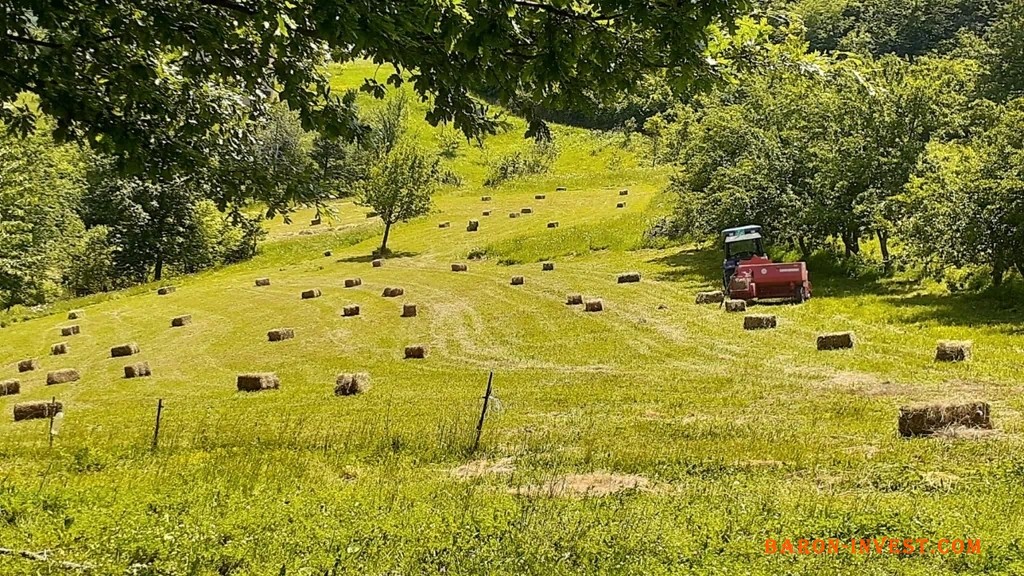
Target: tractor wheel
801, 295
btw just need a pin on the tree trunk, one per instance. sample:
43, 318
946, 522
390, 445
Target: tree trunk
384, 242
805, 250
998, 270
883, 244
158, 269
851, 243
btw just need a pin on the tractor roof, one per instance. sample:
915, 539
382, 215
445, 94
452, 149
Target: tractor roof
741, 231
741, 238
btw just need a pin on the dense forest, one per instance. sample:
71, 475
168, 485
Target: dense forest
833, 123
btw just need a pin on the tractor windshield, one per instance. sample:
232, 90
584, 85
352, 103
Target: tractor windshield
743, 249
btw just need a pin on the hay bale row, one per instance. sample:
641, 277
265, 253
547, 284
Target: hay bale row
953, 351
552, 224
547, 266
540, 197
459, 268
165, 290
256, 382
835, 341
123, 350
349, 384
393, 292
263, 282
75, 314
629, 277
620, 205
309, 294
350, 310
527, 210
926, 420
62, 376
759, 322
36, 410
574, 299
715, 297
28, 365
595, 305
377, 263
418, 351
408, 310
10, 387
179, 321
353, 282
735, 305
137, 370
473, 226
59, 348
281, 334
70, 330
518, 280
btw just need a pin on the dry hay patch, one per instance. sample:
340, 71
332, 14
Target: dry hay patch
596, 484
484, 467
868, 385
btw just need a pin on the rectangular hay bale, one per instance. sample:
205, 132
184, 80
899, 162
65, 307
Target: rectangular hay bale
620, 205
281, 334
137, 370
62, 376
444, 224
473, 226
10, 387
486, 213
547, 266
165, 290
595, 305
124, 350
715, 297
70, 330
735, 305
623, 192
518, 280
629, 277
350, 310
263, 281
353, 282
36, 410
257, 382
459, 268
408, 310
513, 214
552, 224
416, 352
574, 299
349, 384
59, 348
179, 321
28, 365
954, 350
927, 420
75, 314
540, 197
759, 322
835, 341
527, 210
309, 294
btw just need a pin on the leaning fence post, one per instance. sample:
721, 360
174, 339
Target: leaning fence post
156, 427
52, 409
483, 413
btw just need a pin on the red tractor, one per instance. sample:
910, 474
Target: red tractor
751, 275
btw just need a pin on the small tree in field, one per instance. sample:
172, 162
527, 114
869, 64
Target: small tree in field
400, 187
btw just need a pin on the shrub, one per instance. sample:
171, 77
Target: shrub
537, 160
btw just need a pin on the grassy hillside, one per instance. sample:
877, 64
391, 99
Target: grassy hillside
656, 437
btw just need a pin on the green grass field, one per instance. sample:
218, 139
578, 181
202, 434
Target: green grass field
656, 437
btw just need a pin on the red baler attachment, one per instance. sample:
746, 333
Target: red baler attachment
761, 279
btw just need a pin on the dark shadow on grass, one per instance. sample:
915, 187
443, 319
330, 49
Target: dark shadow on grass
691, 264
994, 308
373, 256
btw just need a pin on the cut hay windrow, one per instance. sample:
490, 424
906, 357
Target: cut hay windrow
594, 305
36, 410
349, 384
929, 419
70, 330
735, 305
350, 310
408, 310
281, 334
759, 322
393, 292
310, 294
954, 350
574, 299
715, 297
459, 268
76, 314
62, 376
179, 321
263, 282
28, 365
123, 350
518, 280
473, 226
10, 387
629, 277
59, 348
547, 266
137, 370
552, 224
165, 290
257, 382
835, 341
416, 352
377, 263
353, 282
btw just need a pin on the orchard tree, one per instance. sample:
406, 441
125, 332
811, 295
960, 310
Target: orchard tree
400, 187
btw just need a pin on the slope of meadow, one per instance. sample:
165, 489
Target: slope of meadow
655, 437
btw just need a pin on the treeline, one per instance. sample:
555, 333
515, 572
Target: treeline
74, 221
923, 156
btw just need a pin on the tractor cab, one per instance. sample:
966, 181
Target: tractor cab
741, 244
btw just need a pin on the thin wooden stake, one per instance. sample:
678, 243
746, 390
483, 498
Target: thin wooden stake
156, 428
50, 409
483, 413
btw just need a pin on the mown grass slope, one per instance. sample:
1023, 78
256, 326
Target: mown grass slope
656, 437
